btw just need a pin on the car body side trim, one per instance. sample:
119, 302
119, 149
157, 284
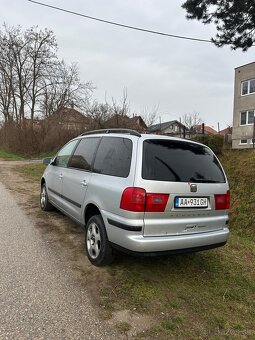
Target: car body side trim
124, 226
65, 198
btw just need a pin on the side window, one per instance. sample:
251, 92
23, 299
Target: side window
64, 154
114, 156
84, 154
243, 118
245, 87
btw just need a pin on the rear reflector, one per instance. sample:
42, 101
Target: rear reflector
137, 200
222, 202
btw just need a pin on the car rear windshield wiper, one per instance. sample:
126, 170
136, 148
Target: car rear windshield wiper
202, 180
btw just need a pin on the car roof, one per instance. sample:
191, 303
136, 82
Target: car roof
119, 132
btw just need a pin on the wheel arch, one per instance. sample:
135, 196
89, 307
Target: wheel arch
91, 210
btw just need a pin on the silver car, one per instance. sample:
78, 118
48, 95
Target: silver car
139, 193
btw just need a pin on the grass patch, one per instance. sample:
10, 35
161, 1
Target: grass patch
123, 327
13, 156
33, 171
210, 292
171, 325
239, 165
10, 156
47, 154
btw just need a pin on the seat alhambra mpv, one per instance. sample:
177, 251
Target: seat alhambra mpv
139, 193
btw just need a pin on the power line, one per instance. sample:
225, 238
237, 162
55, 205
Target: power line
121, 25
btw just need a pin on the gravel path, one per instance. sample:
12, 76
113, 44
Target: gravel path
39, 299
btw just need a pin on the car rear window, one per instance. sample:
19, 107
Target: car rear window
114, 157
177, 161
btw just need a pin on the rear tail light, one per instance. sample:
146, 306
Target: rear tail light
156, 202
222, 201
133, 199
137, 200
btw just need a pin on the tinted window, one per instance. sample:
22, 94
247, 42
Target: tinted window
177, 161
64, 154
84, 154
114, 156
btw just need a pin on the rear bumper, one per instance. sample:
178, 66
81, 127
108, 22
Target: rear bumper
136, 242
168, 252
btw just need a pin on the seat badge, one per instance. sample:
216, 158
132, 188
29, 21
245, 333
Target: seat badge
193, 187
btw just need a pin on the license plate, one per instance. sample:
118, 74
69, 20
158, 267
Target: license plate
191, 202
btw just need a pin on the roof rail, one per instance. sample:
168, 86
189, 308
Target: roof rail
116, 130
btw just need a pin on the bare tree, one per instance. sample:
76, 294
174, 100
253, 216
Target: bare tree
110, 114
63, 87
122, 108
191, 119
150, 115
33, 81
11, 54
119, 115
41, 62
6, 96
99, 114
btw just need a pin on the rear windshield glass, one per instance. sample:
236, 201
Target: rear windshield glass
177, 161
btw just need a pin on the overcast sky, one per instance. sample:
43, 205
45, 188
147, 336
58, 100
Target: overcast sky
173, 75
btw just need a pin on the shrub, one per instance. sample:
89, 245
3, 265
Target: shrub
42, 138
215, 142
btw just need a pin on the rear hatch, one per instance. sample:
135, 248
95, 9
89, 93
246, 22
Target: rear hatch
186, 188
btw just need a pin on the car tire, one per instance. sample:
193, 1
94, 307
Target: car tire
98, 248
44, 200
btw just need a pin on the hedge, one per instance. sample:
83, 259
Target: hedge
215, 142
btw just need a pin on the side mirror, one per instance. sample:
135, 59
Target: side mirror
48, 161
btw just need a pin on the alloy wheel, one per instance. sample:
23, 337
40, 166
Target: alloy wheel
93, 240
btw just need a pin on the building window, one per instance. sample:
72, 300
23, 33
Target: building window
247, 117
248, 87
243, 141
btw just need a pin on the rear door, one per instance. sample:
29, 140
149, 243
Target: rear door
191, 176
76, 177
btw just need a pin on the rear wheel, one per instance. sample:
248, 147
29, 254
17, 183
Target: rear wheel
44, 201
98, 248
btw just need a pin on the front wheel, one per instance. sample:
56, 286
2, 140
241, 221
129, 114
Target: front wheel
98, 248
44, 201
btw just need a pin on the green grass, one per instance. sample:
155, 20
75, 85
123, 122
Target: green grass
33, 171
11, 156
47, 154
14, 156
206, 295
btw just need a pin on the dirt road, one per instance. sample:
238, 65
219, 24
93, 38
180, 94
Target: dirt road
43, 291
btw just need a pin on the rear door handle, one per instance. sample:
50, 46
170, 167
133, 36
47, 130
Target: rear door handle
84, 183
